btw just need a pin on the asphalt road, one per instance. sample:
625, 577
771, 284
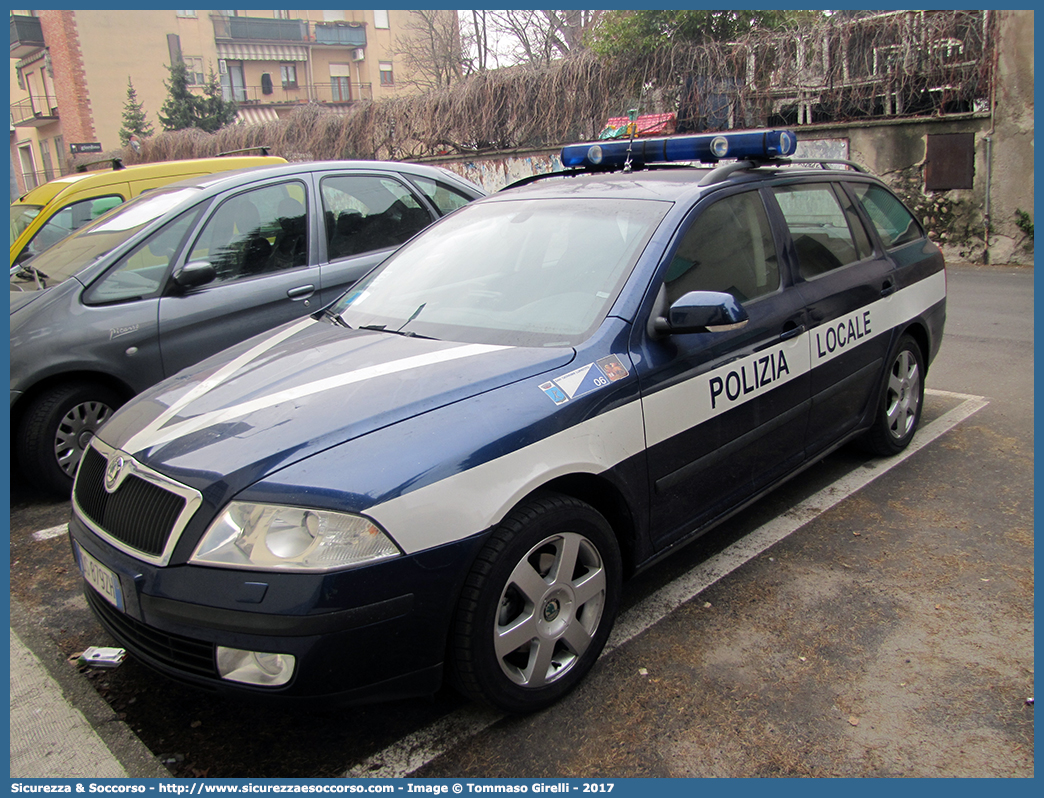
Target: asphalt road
870, 618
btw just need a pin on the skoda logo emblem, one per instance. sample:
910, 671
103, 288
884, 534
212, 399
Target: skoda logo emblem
551, 610
113, 472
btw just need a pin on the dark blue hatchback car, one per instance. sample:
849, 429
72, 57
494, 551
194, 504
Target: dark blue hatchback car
453, 467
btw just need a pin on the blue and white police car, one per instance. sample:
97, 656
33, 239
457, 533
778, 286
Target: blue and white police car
451, 470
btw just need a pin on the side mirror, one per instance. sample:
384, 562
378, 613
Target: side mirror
194, 274
702, 311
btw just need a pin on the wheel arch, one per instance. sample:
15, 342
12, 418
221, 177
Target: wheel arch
918, 330
605, 497
61, 378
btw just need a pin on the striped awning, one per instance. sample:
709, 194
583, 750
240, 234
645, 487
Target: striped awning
261, 52
255, 115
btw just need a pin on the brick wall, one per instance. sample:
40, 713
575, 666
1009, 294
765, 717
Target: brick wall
70, 79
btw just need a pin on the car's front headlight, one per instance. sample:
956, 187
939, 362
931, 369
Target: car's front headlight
274, 537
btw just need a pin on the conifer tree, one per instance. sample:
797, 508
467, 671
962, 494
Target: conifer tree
214, 112
179, 109
135, 121
183, 109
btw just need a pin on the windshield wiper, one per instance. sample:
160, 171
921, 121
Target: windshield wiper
335, 318
404, 333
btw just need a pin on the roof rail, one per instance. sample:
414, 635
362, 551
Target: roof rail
525, 181
719, 174
263, 147
590, 170
116, 163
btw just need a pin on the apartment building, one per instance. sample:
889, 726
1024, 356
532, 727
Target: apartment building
69, 70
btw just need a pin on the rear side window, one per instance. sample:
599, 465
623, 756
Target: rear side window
893, 222
820, 229
366, 213
446, 198
728, 248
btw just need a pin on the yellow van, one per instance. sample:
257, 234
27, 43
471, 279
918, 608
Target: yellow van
46, 214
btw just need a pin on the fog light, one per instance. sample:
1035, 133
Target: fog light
254, 667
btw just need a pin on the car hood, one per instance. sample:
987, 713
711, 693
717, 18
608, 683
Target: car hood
306, 387
19, 299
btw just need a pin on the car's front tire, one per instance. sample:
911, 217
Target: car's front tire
538, 605
55, 429
901, 400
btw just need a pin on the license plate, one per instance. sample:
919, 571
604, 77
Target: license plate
101, 579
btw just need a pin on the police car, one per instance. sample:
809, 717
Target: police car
451, 470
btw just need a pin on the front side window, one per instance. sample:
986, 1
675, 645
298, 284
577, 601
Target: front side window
514, 272
893, 222
366, 213
142, 271
819, 228
259, 231
729, 248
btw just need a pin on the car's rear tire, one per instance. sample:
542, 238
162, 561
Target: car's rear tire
899, 407
55, 429
537, 606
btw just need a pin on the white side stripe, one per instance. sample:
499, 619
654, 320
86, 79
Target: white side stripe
688, 404
472, 500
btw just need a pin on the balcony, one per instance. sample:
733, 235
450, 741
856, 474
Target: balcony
26, 36
33, 113
259, 29
324, 93
345, 34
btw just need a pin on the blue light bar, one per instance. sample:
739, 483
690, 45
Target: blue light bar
757, 145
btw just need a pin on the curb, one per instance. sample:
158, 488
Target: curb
53, 712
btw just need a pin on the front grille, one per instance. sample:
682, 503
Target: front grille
184, 654
139, 514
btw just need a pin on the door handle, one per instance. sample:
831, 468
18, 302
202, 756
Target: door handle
301, 291
793, 332
888, 288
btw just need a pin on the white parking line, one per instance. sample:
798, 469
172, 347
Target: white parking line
424, 745
53, 532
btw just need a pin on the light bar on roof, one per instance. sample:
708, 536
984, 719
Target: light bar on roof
758, 145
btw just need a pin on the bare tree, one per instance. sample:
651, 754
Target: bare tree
476, 41
431, 49
537, 37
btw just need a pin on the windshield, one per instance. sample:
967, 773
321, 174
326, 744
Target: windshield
21, 217
86, 245
518, 272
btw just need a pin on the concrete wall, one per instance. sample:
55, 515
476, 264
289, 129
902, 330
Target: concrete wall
1010, 143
